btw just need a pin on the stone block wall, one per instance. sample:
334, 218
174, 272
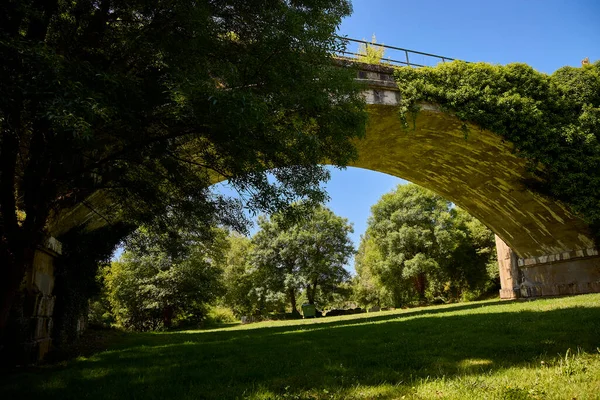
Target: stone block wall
509, 272
576, 272
36, 317
561, 277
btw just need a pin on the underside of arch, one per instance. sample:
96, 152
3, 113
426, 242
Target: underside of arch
476, 170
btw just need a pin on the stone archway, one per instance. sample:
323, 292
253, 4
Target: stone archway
554, 251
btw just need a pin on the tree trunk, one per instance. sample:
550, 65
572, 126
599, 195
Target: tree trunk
311, 292
420, 284
168, 313
292, 294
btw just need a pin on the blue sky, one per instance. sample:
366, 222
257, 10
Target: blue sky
546, 34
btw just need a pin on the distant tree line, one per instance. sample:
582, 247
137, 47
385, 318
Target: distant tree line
418, 249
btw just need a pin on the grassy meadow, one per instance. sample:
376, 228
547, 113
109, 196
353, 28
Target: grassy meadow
543, 349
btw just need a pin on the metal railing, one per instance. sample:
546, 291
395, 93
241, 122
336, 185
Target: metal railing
416, 54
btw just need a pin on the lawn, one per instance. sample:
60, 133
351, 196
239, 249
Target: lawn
543, 349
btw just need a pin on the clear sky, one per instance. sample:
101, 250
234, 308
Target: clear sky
546, 34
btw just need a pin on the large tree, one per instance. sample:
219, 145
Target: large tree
308, 255
418, 242
150, 289
131, 109
406, 225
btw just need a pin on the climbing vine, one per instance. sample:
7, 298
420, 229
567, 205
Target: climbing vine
552, 120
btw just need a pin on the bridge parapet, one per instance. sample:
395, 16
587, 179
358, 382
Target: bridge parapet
380, 85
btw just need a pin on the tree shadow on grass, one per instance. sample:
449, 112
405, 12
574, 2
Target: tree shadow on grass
259, 329
342, 354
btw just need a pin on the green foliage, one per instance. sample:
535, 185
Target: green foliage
241, 280
484, 350
151, 290
417, 247
100, 313
220, 315
369, 287
75, 273
370, 53
130, 110
308, 255
552, 120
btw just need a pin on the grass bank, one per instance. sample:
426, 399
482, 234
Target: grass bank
543, 349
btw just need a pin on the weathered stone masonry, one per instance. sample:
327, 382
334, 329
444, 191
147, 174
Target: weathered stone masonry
574, 272
35, 319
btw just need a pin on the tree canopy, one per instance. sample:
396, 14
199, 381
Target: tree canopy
307, 256
145, 104
150, 289
419, 245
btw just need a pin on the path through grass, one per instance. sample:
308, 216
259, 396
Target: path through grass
543, 349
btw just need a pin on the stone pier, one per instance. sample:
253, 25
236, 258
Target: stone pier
36, 306
574, 272
509, 270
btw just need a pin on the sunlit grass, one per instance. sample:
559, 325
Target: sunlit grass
543, 349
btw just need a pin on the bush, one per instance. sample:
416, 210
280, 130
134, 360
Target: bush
99, 314
220, 315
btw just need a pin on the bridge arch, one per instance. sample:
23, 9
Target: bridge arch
478, 172
476, 169
553, 250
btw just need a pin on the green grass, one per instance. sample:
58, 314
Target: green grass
544, 349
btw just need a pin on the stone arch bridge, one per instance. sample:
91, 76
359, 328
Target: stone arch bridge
543, 249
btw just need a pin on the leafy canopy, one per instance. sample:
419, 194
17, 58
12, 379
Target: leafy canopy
129, 110
307, 256
148, 290
418, 245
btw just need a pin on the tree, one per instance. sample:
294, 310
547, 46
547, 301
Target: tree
473, 265
322, 245
417, 239
370, 53
238, 277
405, 224
308, 255
148, 290
370, 288
276, 265
130, 110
